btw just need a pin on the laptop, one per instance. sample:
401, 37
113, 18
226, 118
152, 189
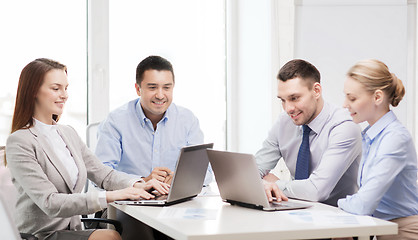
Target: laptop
239, 182
187, 181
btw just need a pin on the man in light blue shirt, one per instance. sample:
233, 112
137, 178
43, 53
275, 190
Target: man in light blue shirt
144, 137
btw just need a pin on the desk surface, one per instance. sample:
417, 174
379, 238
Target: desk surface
233, 222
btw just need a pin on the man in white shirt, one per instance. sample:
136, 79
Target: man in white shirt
319, 142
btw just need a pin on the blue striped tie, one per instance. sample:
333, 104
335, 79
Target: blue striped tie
304, 156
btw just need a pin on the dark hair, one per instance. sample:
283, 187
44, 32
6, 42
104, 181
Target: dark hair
301, 69
152, 62
30, 80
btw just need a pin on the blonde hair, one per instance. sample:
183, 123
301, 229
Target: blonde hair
375, 75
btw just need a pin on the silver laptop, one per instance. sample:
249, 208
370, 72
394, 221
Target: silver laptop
187, 181
239, 182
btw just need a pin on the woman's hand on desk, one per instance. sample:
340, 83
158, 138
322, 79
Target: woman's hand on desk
131, 193
139, 190
154, 184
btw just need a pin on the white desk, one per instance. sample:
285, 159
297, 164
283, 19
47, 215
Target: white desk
233, 222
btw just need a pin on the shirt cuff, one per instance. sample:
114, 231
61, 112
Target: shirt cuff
133, 181
281, 184
340, 203
102, 199
93, 201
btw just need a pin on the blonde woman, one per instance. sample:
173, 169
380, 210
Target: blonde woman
50, 163
387, 175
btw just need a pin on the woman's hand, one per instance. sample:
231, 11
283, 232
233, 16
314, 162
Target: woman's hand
132, 193
161, 187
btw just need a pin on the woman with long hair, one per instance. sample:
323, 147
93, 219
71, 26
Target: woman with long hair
50, 163
387, 175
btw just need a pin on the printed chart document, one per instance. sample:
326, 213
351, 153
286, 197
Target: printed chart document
189, 213
330, 218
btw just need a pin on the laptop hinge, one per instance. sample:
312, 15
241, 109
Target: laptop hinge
249, 205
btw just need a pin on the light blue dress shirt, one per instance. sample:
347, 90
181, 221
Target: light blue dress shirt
387, 174
127, 141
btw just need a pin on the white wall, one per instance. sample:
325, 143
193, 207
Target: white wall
334, 35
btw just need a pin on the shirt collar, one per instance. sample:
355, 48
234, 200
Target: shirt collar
372, 131
143, 119
42, 127
318, 123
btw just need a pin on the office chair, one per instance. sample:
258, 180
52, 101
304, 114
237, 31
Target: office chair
98, 221
91, 142
9, 230
7, 201
91, 136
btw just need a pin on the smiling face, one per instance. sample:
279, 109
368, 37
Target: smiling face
359, 101
156, 92
300, 103
52, 95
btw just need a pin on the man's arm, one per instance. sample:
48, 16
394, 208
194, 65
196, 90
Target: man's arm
344, 148
109, 148
195, 136
268, 156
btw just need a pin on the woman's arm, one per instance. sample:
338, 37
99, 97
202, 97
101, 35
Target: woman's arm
385, 166
22, 155
124, 186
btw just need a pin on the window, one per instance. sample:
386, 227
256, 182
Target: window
191, 35
49, 29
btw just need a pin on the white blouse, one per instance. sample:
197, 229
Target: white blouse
60, 148
64, 155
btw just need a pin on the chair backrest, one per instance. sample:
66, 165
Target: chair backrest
7, 189
2, 163
91, 136
8, 227
91, 141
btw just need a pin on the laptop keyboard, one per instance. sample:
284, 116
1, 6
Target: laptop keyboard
161, 197
278, 204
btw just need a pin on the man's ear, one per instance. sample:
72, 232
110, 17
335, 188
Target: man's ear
138, 89
317, 89
378, 97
